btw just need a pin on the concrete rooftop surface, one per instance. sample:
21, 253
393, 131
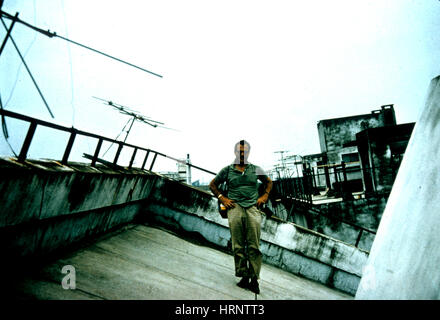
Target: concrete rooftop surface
142, 262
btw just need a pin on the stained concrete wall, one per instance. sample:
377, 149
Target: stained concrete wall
365, 212
46, 206
381, 150
334, 133
340, 220
404, 259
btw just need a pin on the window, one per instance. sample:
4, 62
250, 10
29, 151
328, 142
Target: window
350, 157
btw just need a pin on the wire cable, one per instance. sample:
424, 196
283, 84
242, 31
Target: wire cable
17, 76
27, 68
117, 136
54, 34
71, 67
5, 129
107, 55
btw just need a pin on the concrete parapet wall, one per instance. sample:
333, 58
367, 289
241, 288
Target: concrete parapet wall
365, 213
286, 245
46, 206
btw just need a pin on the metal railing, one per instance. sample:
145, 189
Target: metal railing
358, 227
345, 178
296, 195
298, 188
33, 123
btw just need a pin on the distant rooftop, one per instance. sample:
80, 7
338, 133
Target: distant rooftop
358, 116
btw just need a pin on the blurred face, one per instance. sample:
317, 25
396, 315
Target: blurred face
242, 154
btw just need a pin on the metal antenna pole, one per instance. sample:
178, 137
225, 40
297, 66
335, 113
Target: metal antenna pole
283, 164
135, 116
26, 66
54, 34
8, 32
128, 131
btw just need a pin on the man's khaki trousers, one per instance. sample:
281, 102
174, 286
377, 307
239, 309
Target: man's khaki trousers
245, 226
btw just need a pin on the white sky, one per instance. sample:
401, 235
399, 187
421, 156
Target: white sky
264, 71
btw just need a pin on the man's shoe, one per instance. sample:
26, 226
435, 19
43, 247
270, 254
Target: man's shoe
253, 286
244, 283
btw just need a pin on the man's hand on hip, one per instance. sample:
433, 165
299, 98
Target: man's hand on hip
227, 202
262, 200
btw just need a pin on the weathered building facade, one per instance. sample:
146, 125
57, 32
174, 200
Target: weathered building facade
341, 165
381, 151
336, 135
359, 154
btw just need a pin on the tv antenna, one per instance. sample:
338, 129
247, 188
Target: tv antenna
135, 116
283, 167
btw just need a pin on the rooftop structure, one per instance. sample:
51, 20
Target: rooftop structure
334, 134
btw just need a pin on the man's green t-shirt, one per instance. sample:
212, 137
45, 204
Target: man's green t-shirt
242, 186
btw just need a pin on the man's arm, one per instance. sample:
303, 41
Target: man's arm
265, 197
228, 203
214, 188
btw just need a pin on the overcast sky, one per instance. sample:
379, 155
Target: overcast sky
264, 71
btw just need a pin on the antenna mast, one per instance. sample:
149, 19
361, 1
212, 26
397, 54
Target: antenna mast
134, 114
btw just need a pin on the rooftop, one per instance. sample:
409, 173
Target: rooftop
142, 262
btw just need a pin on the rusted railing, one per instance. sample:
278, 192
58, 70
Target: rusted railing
33, 123
296, 194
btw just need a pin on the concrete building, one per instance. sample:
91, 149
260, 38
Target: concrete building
359, 153
338, 167
381, 150
183, 173
335, 135
353, 175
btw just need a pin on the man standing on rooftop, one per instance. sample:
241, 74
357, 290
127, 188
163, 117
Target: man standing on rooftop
244, 217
